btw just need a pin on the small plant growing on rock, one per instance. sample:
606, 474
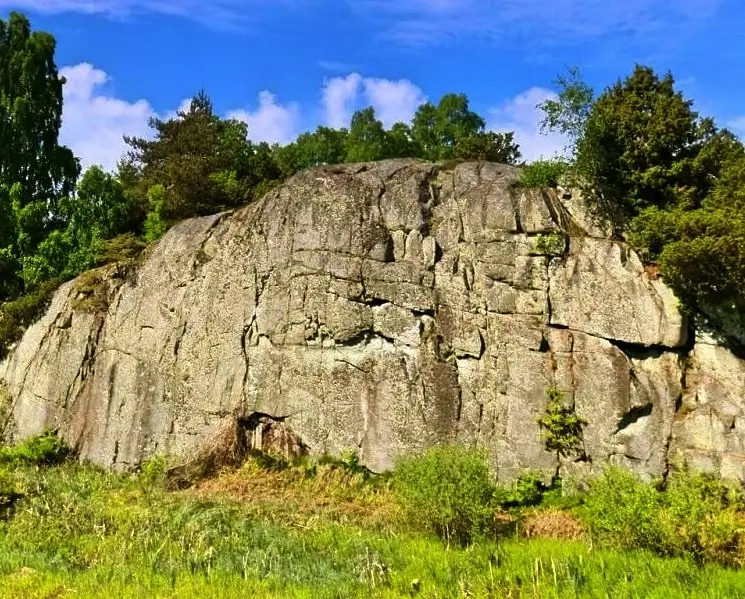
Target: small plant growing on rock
550, 244
562, 427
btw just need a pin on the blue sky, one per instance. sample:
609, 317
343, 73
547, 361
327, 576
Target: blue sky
286, 66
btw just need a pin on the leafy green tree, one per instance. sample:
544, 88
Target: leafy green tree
568, 112
30, 121
400, 142
323, 146
701, 251
562, 428
489, 146
438, 129
199, 159
98, 211
640, 140
155, 224
367, 140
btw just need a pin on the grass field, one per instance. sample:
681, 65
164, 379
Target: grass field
252, 532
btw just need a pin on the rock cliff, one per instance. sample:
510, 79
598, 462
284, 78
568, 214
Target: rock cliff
384, 308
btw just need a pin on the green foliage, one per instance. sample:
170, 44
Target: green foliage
696, 516
155, 224
44, 449
489, 146
551, 244
31, 109
366, 140
562, 428
527, 490
543, 173
641, 144
323, 146
153, 472
569, 111
448, 490
348, 461
17, 315
437, 130
204, 164
122, 249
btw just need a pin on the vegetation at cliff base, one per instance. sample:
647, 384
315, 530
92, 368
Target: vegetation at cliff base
325, 528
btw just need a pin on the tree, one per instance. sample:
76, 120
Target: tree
562, 428
98, 211
568, 112
701, 251
324, 146
400, 142
489, 146
438, 129
639, 139
31, 160
366, 141
199, 159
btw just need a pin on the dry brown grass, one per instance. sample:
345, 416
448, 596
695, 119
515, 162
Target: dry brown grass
552, 524
297, 497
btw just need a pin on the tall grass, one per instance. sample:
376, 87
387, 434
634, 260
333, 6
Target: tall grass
79, 532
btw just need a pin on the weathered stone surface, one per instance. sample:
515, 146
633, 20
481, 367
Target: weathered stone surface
382, 308
601, 288
709, 429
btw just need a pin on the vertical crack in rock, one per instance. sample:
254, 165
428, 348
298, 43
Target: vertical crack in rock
88, 363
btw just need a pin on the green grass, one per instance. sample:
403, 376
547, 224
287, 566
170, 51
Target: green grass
79, 532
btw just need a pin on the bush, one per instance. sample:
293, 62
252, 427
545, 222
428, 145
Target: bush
45, 449
543, 173
696, 516
448, 490
526, 491
121, 249
17, 315
551, 244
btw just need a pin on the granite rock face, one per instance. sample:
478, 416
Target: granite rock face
384, 308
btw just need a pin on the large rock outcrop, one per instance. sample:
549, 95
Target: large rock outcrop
384, 308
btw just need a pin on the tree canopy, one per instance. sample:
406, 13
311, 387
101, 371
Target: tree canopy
670, 180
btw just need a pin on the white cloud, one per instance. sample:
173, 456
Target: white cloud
93, 123
522, 115
338, 99
271, 121
393, 100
